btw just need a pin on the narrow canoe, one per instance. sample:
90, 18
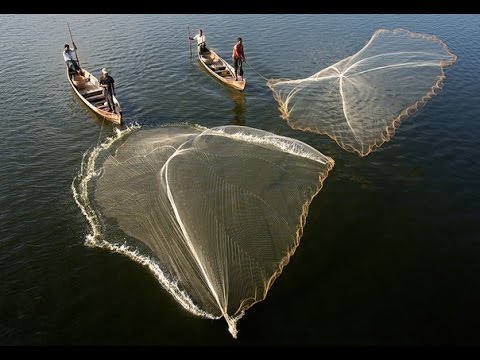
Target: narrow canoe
220, 69
88, 89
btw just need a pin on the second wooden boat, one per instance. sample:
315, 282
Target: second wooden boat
220, 69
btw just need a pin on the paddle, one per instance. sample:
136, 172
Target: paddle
189, 42
74, 47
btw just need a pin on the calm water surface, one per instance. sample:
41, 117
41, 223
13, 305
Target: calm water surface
390, 253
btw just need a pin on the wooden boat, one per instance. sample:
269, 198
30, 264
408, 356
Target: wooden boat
88, 89
220, 69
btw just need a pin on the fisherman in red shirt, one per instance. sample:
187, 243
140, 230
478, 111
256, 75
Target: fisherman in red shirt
238, 58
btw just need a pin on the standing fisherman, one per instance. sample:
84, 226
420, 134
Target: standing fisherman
238, 57
106, 81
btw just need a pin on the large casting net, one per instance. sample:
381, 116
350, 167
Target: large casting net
221, 210
361, 100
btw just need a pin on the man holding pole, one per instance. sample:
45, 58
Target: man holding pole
200, 37
68, 56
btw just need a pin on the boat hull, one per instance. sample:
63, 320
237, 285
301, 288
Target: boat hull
220, 70
88, 89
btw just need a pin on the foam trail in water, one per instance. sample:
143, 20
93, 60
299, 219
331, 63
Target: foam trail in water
79, 187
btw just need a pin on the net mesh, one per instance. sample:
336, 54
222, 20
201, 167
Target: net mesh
361, 100
221, 209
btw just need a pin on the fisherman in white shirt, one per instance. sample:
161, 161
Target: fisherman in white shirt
200, 41
68, 56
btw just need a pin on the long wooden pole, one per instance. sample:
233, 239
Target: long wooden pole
189, 42
74, 47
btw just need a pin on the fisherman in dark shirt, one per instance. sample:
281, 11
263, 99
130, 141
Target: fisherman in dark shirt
106, 81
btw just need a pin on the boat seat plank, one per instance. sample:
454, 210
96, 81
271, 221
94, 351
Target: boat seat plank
92, 93
96, 98
87, 93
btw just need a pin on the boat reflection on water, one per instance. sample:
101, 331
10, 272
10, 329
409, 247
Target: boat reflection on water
238, 109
